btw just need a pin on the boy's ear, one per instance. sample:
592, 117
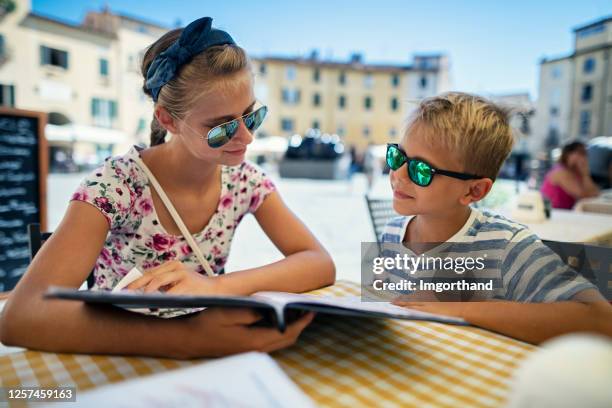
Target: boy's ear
165, 119
478, 189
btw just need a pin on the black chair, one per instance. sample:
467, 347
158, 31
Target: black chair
591, 261
36, 239
380, 210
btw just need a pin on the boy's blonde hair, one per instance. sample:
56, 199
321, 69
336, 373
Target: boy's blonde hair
475, 128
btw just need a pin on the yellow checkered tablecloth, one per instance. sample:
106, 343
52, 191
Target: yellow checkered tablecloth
337, 361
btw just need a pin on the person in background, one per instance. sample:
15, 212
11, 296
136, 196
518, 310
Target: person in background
569, 180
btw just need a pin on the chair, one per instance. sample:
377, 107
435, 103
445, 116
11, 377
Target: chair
380, 210
591, 261
36, 239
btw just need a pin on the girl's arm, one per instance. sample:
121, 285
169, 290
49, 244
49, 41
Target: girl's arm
306, 265
66, 259
584, 188
531, 322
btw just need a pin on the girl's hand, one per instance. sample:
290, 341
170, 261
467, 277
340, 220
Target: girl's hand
174, 278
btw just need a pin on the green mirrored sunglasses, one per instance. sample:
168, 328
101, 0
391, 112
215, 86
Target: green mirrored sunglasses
420, 172
223, 133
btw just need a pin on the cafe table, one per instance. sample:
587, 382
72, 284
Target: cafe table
337, 361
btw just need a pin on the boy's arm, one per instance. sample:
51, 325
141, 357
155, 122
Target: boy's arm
588, 311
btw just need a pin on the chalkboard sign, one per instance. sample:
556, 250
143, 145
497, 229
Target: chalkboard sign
23, 181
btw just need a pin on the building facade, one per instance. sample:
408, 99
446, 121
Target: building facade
85, 77
575, 91
361, 103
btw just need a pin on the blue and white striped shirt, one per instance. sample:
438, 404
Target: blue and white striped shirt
530, 271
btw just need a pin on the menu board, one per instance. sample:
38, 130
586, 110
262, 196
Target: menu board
23, 180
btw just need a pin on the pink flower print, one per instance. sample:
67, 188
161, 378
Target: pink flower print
119, 191
80, 194
104, 204
255, 199
162, 243
185, 249
138, 190
268, 184
146, 206
215, 250
150, 264
235, 177
168, 256
106, 257
226, 201
100, 280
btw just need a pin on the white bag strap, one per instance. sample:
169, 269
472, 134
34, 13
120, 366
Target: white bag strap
179, 222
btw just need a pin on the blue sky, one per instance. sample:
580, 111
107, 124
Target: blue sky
494, 46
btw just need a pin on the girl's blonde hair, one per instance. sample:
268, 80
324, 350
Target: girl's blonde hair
475, 128
193, 79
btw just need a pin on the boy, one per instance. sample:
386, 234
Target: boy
449, 157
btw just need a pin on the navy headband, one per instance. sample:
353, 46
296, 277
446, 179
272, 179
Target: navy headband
195, 38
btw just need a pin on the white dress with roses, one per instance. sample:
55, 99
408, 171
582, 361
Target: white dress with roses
121, 191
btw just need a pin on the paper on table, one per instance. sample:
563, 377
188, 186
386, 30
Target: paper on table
245, 380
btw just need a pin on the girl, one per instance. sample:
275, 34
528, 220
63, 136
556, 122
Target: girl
570, 180
202, 87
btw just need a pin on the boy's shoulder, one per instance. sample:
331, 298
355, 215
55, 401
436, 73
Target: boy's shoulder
488, 225
483, 225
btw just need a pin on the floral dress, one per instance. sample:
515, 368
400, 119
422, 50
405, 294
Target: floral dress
121, 191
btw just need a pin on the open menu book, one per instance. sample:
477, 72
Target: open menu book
277, 308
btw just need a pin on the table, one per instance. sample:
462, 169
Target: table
601, 204
573, 226
337, 361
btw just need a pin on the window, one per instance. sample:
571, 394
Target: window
341, 101
394, 104
103, 111
341, 131
368, 81
291, 96
556, 72
554, 111
2, 47
287, 125
315, 124
316, 99
585, 123
342, 78
103, 67
423, 82
316, 75
262, 68
367, 102
51, 56
392, 133
395, 80
290, 72
7, 95
587, 93
366, 132
589, 65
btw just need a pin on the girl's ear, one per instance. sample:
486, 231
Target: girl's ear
165, 119
478, 189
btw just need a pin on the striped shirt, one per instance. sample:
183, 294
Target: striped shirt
530, 271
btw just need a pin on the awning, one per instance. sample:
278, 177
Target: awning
83, 133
